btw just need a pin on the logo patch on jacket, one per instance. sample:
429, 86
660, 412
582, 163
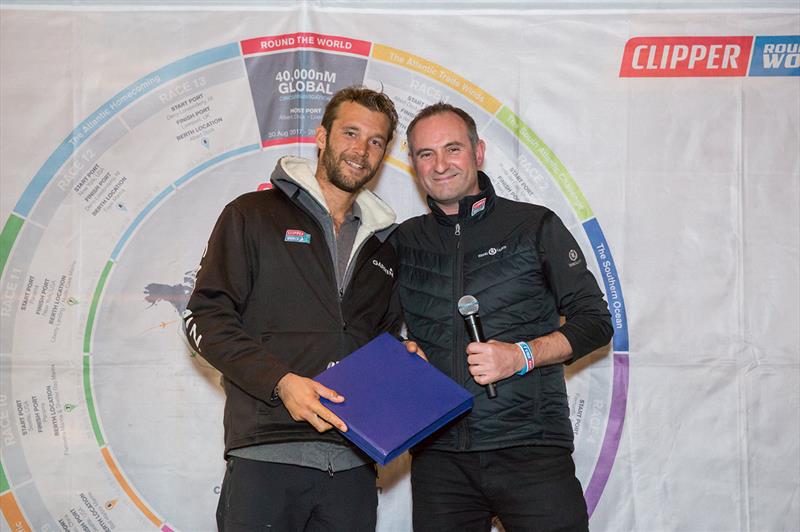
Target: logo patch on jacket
574, 258
492, 251
478, 206
387, 271
296, 235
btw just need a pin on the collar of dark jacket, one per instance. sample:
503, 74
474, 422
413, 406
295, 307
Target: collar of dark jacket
471, 209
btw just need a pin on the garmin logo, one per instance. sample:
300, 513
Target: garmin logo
491, 252
387, 271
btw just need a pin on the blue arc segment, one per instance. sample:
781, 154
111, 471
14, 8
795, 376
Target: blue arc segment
215, 160
138, 220
170, 189
608, 271
112, 107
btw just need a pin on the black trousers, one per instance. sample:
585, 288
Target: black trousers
260, 496
528, 488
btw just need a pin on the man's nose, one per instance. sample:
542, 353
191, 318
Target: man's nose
440, 165
361, 146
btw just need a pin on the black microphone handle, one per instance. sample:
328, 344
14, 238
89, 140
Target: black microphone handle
473, 322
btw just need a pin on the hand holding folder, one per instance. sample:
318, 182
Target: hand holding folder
393, 398
302, 396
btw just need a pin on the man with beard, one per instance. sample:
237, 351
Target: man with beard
292, 280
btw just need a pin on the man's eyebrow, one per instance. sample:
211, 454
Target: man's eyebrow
356, 127
448, 145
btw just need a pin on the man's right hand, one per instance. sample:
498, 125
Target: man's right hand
300, 396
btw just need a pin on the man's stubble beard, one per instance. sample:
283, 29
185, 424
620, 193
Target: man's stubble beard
336, 177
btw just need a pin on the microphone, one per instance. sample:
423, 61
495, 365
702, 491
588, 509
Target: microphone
468, 307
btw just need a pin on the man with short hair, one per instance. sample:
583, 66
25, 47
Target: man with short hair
511, 455
288, 286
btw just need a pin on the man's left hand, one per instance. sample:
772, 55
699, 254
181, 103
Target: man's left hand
493, 361
413, 347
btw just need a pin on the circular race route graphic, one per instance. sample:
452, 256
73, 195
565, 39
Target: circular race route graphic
108, 419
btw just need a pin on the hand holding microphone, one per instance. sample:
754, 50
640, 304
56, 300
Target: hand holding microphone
492, 361
468, 307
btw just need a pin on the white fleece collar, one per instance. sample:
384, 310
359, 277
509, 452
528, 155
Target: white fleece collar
375, 213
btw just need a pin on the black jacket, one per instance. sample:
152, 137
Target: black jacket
526, 270
266, 300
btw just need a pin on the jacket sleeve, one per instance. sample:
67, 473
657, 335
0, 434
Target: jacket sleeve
213, 317
577, 296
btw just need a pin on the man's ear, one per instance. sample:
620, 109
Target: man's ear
411, 163
321, 137
480, 151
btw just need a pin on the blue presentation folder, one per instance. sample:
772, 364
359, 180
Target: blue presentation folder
393, 398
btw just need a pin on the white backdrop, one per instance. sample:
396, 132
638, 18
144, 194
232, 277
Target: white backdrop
677, 166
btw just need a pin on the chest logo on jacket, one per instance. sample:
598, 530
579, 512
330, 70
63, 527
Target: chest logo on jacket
491, 252
387, 271
478, 206
296, 235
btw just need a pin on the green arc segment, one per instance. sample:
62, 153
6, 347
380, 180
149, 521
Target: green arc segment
87, 389
87, 337
556, 168
8, 237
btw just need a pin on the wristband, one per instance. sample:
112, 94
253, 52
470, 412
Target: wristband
528, 353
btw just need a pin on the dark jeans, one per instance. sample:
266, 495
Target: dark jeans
528, 488
279, 497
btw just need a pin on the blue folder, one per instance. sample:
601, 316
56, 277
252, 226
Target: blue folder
393, 398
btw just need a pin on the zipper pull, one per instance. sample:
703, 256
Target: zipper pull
330, 469
458, 229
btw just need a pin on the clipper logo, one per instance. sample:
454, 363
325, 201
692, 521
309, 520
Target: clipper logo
724, 56
685, 57
296, 235
387, 271
478, 206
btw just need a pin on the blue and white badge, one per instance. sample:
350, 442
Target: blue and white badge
296, 235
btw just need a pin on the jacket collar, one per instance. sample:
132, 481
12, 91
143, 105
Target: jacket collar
470, 208
296, 174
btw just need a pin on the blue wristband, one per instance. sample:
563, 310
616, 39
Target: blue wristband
528, 354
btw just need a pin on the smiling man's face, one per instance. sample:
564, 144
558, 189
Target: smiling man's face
444, 160
351, 153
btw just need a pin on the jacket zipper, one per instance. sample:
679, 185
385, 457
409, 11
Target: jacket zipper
458, 360
339, 291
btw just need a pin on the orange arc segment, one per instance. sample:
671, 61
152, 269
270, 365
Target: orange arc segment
13, 514
127, 488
